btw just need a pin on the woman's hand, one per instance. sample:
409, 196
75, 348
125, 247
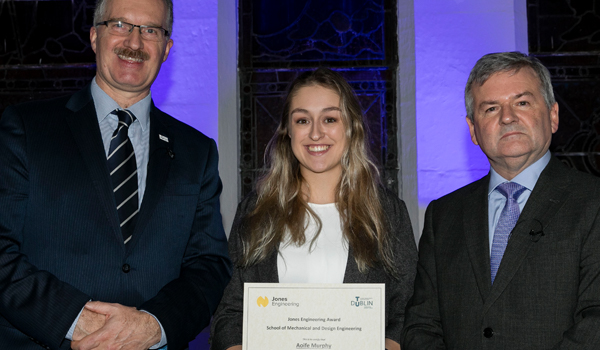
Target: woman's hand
389, 345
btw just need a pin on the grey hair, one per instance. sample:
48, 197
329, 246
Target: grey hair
100, 12
493, 63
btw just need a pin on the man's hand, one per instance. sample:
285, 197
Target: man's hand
125, 329
88, 323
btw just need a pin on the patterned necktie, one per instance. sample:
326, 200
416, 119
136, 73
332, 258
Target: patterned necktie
508, 219
123, 173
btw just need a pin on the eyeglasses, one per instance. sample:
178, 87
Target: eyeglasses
121, 28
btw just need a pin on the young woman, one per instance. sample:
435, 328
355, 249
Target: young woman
319, 214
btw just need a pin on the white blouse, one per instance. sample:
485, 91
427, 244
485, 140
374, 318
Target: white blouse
326, 263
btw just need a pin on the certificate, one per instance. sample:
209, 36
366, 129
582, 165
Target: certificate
282, 316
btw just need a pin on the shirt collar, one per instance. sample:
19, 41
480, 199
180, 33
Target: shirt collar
526, 178
105, 105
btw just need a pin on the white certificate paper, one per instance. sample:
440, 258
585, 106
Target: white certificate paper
285, 316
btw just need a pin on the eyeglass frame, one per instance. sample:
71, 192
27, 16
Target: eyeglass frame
166, 32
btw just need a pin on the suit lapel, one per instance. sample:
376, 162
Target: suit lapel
548, 195
476, 234
352, 274
159, 163
267, 271
84, 127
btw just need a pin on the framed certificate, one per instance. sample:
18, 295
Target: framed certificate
282, 316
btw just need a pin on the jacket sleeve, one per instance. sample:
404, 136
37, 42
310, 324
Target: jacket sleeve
585, 331
227, 325
30, 299
423, 328
399, 290
185, 305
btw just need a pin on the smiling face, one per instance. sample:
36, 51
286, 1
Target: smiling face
511, 122
317, 132
128, 65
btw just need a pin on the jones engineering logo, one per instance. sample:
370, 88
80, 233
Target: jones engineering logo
365, 303
262, 301
276, 302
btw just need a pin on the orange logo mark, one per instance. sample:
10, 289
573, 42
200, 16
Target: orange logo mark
262, 301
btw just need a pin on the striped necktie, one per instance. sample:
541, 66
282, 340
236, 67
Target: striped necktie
508, 220
123, 173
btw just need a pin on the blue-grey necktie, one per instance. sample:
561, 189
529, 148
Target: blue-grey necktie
508, 219
123, 173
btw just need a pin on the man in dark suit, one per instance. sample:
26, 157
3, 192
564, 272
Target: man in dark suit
110, 231
511, 261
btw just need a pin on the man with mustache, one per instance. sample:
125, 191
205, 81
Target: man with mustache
510, 261
110, 231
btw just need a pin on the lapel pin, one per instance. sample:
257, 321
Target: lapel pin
164, 138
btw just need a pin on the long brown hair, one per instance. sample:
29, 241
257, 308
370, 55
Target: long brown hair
281, 208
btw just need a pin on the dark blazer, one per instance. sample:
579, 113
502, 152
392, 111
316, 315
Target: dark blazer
547, 290
226, 328
60, 242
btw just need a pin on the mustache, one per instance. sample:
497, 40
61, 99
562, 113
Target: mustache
137, 54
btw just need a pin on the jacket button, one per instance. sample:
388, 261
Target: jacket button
126, 268
488, 332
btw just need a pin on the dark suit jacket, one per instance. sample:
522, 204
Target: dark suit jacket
226, 328
547, 290
60, 242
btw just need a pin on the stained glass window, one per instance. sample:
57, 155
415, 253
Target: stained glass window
565, 36
45, 50
279, 39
